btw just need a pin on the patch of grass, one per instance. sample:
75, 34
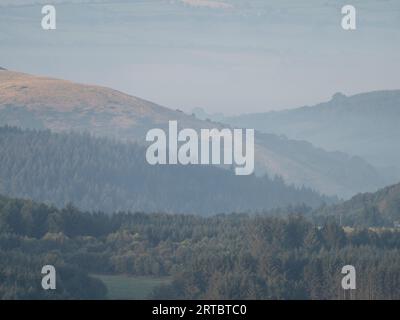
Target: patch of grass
129, 287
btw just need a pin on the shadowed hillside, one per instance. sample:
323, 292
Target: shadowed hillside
366, 125
98, 174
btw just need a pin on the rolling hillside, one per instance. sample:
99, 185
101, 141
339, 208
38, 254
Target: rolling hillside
381, 208
366, 125
44, 103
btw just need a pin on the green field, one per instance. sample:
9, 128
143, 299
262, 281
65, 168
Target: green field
130, 288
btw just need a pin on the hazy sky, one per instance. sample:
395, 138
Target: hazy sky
231, 56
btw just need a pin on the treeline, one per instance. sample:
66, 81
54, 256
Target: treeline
100, 174
379, 209
235, 256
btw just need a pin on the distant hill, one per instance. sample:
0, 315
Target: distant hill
381, 208
366, 125
98, 174
44, 103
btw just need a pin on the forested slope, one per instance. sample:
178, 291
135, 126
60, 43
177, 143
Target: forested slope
220, 257
100, 174
381, 208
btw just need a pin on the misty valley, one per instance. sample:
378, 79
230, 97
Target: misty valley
118, 226
189, 153
115, 225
